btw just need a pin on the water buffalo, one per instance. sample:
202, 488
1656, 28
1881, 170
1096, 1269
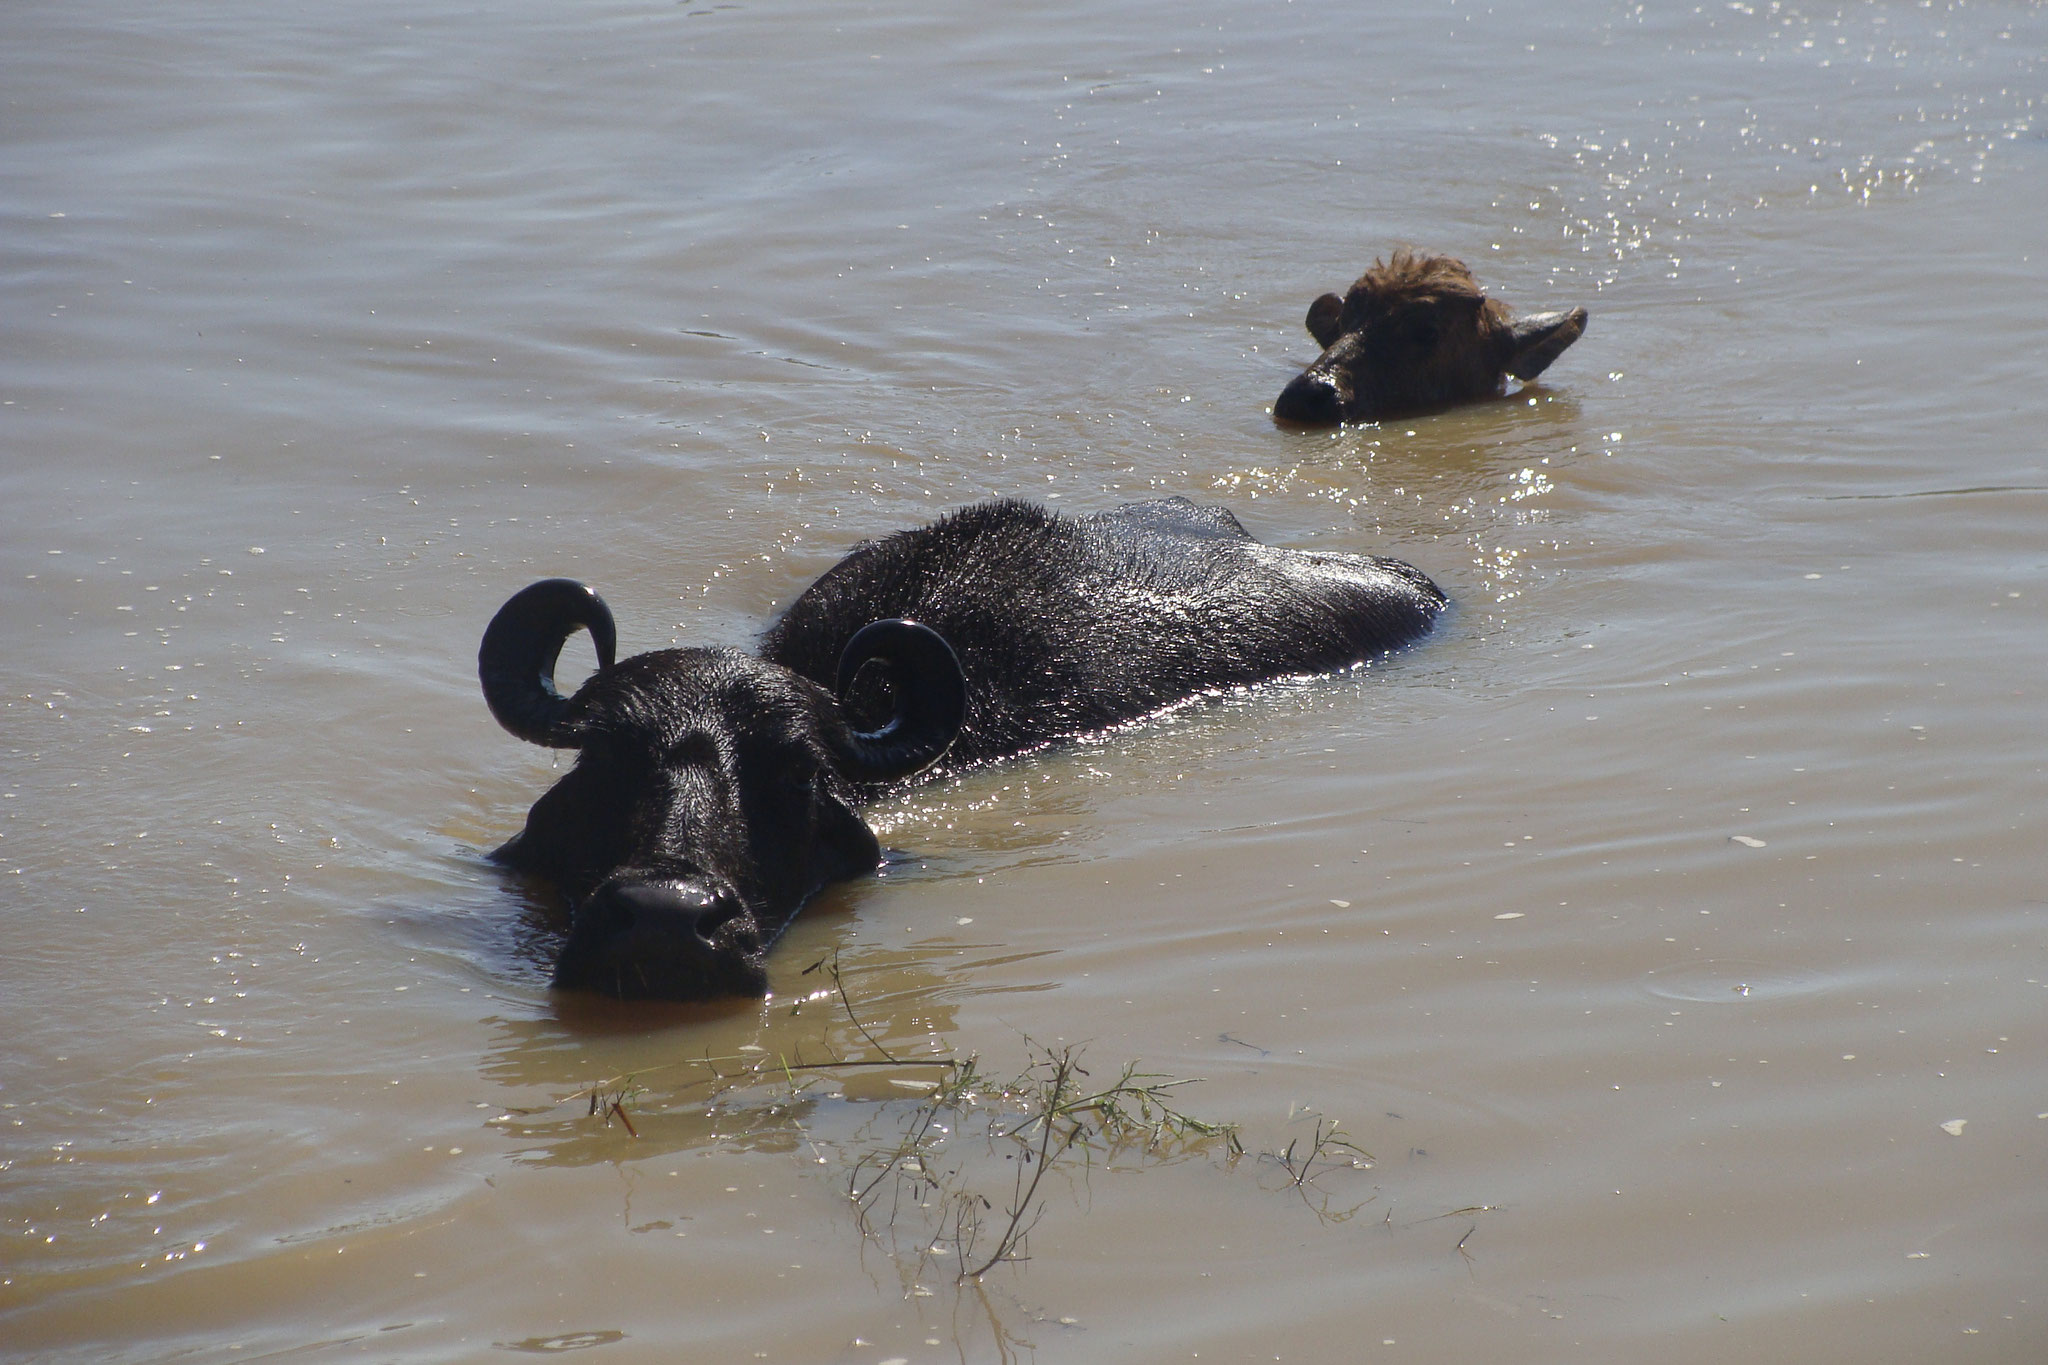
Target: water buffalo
714, 791
1416, 334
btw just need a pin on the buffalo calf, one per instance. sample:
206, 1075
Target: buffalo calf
715, 791
1416, 334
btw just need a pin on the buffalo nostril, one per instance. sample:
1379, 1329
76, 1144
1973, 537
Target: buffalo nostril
1310, 399
705, 923
641, 911
675, 938
681, 938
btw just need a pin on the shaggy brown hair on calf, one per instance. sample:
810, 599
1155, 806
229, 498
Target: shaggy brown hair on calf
1416, 334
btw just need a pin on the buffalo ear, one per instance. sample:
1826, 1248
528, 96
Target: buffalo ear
1322, 320
1541, 338
849, 846
930, 700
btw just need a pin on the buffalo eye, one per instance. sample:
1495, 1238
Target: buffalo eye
785, 778
800, 779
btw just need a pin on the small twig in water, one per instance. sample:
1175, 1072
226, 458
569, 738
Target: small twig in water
839, 985
1305, 1168
1008, 1245
614, 1105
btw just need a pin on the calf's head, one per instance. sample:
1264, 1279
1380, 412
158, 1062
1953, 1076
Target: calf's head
712, 793
1414, 334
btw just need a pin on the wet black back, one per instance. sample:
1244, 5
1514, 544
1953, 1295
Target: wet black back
1066, 625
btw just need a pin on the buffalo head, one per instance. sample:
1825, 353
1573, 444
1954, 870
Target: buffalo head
1416, 334
712, 793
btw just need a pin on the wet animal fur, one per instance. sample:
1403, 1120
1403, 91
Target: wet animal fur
1416, 333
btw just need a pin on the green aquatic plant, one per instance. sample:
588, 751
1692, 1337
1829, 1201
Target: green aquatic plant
959, 1169
1048, 1114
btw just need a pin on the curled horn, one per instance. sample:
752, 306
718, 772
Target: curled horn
931, 699
517, 661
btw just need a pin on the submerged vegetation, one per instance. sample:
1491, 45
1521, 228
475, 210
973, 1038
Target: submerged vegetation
1049, 1114
949, 1170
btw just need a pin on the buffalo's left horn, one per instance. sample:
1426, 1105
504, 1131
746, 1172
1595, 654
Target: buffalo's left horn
517, 661
931, 699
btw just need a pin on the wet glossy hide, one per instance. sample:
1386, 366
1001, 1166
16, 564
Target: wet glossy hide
711, 797
714, 791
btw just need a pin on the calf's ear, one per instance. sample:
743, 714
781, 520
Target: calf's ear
1541, 338
1322, 320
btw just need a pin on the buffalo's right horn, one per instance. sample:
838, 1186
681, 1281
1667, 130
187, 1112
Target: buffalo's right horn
931, 699
517, 661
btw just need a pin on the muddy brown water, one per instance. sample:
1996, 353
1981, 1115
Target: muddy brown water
1670, 928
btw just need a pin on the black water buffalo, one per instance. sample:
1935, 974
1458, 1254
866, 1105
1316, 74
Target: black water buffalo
1416, 334
714, 791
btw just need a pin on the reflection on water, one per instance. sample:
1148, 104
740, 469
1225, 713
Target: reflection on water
327, 330
745, 1075
1726, 982
564, 1341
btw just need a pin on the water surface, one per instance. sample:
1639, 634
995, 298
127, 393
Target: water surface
1668, 928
